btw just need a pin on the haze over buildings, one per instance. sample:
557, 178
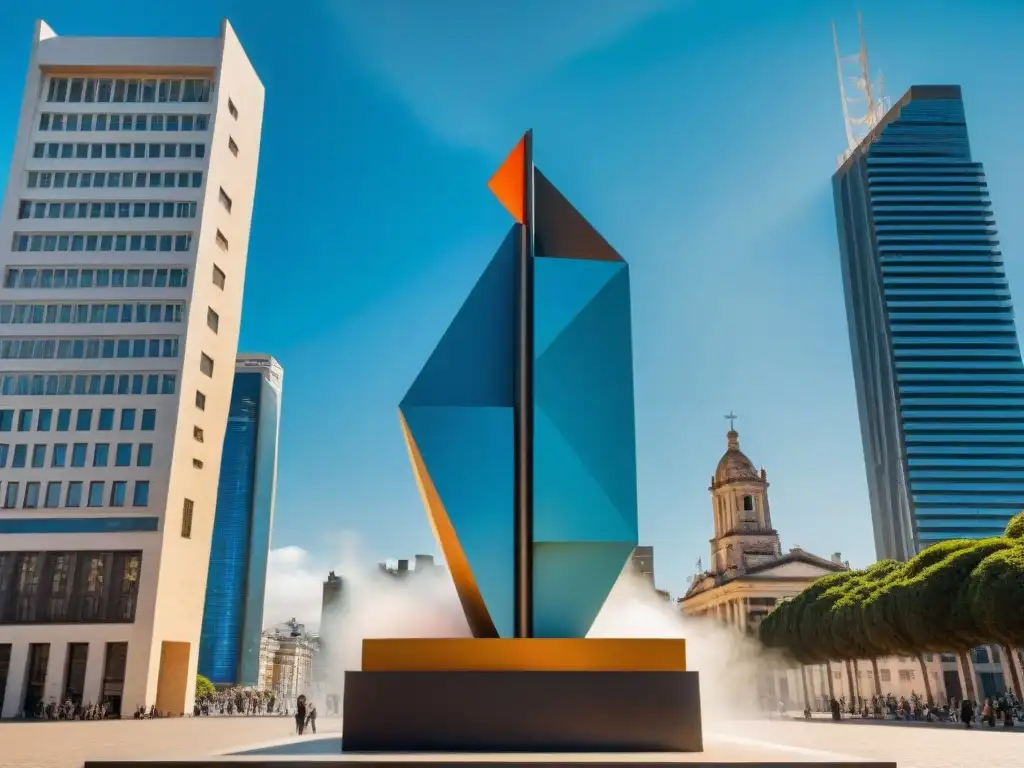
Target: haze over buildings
123, 241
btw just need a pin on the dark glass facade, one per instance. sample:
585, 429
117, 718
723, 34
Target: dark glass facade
937, 365
233, 614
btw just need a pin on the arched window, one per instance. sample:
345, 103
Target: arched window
749, 509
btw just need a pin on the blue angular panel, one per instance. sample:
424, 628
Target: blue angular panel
470, 457
569, 503
562, 287
584, 385
571, 582
474, 363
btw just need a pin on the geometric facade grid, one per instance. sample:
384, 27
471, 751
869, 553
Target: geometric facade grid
936, 361
236, 582
460, 420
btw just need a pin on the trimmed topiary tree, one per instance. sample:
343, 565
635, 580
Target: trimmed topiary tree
995, 594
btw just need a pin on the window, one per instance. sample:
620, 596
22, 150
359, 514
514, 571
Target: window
218, 277
148, 419
224, 199
197, 434
127, 419
222, 242
59, 455
4, 448
197, 464
101, 454
96, 493
206, 364
52, 495
31, 496
105, 422
232, 110
212, 320
20, 456
25, 420
45, 421
6, 420
118, 491
74, 497
11, 496
144, 457
38, 456
63, 419
83, 421
186, 519
78, 454
123, 455
200, 401
884, 675
140, 494
748, 503
906, 674
231, 146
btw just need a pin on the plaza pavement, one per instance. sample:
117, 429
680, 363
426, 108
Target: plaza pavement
68, 745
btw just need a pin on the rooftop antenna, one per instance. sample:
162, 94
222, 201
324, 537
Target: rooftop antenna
869, 99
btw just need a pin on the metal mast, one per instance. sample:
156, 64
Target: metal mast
869, 100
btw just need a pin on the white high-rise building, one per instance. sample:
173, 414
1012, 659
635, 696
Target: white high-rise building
123, 240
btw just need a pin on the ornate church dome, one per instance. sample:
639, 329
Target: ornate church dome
734, 465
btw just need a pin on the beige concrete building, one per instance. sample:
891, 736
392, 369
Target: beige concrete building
749, 574
286, 661
123, 240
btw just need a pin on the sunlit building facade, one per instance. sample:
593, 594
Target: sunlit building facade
123, 240
936, 360
235, 587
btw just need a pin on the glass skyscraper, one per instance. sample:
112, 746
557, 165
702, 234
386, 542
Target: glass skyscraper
937, 365
233, 616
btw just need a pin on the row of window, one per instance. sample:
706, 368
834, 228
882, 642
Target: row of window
57, 121
118, 90
75, 494
22, 458
32, 384
114, 179
44, 419
101, 242
100, 277
36, 209
110, 151
90, 313
86, 348
71, 588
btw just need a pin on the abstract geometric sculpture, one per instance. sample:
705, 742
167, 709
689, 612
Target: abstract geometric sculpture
520, 426
521, 433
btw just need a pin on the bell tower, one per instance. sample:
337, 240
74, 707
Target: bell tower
744, 535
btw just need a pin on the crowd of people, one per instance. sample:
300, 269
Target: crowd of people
1004, 710
69, 710
240, 701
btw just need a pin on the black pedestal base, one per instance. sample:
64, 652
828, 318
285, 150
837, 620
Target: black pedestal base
521, 712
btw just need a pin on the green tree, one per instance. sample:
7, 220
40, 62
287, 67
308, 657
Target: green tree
1015, 528
204, 688
937, 607
847, 618
995, 594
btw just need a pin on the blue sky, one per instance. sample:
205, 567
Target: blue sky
698, 136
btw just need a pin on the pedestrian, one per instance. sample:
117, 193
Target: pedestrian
300, 714
311, 718
966, 712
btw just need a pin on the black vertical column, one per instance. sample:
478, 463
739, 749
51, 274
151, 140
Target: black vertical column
524, 410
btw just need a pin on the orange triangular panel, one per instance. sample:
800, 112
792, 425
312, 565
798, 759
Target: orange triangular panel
509, 182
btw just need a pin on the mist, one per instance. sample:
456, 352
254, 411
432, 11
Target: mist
377, 605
